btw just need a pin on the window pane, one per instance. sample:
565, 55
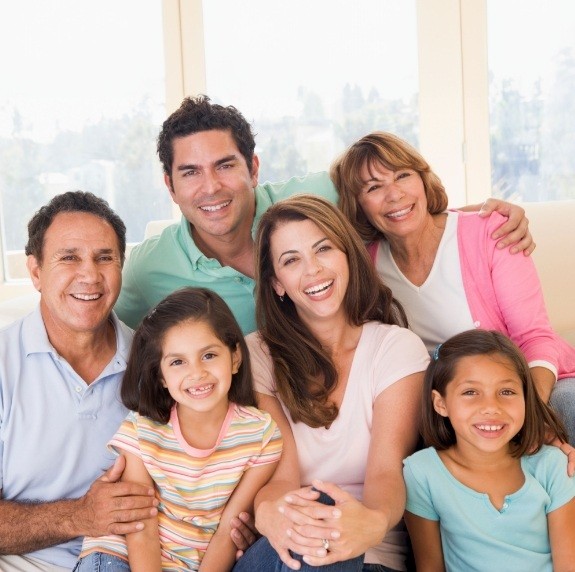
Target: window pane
313, 76
532, 108
80, 107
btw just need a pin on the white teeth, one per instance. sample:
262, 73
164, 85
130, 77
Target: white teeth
86, 297
489, 427
319, 288
200, 390
214, 208
397, 214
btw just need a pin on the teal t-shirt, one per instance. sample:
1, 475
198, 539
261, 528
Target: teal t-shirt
475, 536
163, 264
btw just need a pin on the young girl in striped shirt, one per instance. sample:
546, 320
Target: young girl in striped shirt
193, 434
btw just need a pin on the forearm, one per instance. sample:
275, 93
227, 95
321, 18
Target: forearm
544, 382
386, 494
144, 553
265, 503
29, 526
221, 553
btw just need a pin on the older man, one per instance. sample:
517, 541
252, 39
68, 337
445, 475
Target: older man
60, 369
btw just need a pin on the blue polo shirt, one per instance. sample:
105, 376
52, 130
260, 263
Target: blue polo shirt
165, 263
54, 427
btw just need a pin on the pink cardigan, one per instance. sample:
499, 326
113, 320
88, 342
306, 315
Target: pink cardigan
504, 293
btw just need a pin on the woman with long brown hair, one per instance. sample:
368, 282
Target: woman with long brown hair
340, 373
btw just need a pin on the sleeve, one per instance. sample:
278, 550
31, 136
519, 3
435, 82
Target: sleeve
400, 353
418, 494
262, 365
551, 472
520, 300
126, 438
313, 183
131, 305
271, 443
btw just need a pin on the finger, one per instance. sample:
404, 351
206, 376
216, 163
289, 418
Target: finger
512, 230
127, 491
335, 492
249, 521
316, 532
243, 538
522, 244
287, 559
309, 514
135, 515
122, 528
114, 473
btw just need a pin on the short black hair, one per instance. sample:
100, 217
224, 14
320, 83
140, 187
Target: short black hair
197, 114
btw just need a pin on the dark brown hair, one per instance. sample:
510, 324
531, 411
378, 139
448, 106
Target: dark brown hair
540, 419
142, 390
304, 372
380, 148
197, 114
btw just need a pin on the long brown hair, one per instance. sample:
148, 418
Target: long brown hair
304, 371
394, 154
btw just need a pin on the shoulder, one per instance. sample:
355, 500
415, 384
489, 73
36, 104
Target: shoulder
471, 222
388, 337
312, 183
423, 458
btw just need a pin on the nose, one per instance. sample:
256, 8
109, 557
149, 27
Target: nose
394, 192
196, 372
212, 183
313, 265
88, 271
490, 404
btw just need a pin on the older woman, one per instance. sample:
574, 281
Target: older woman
444, 267
342, 378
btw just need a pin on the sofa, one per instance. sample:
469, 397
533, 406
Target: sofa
550, 224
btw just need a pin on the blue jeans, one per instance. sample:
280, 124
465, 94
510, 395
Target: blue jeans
101, 562
563, 402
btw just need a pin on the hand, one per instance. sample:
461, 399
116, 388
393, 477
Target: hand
112, 507
275, 520
243, 532
351, 533
515, 232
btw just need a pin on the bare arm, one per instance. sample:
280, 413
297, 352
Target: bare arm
514, 232
109, 507
394, 436
426, 543
221, 553
562, 537
144, 552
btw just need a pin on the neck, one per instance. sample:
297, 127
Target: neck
422, 243
235, 249
474, 459
336, 336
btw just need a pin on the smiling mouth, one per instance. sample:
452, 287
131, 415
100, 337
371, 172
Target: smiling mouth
200, 391
214, 208
319, 289
86, 297
489, 428
398, 214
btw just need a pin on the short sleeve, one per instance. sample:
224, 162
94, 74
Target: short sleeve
399, 353
126, 438
271, 444
418, 493
262, 365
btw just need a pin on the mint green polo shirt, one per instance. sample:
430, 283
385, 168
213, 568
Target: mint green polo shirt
170, 261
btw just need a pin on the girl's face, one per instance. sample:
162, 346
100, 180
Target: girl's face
310, 269
394, 202
197, 367
484, 401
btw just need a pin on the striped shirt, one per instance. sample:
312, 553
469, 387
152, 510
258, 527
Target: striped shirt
192, 485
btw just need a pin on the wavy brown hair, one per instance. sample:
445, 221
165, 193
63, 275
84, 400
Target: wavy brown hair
304, 371
540, 419
381, 148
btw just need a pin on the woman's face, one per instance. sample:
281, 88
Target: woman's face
394, 202
309, 268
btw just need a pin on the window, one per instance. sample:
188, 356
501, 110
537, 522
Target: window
82, 99
532, 108
313, 76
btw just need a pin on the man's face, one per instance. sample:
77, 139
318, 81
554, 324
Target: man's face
81, 273
212, 185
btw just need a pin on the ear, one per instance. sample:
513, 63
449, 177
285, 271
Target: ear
236, 359
438, 403
255, 170
168, 183
279, 289
34, 271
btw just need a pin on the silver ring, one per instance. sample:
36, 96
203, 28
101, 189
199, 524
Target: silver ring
325, 543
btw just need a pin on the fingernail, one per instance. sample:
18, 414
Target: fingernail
336, 513
288, 499
281, 509
335, 534
288, 532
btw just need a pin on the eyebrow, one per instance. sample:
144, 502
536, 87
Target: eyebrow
295, 251
200, 350
192, 166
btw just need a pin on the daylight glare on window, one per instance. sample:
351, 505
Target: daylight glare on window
313, 76
532, 107
82, 99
